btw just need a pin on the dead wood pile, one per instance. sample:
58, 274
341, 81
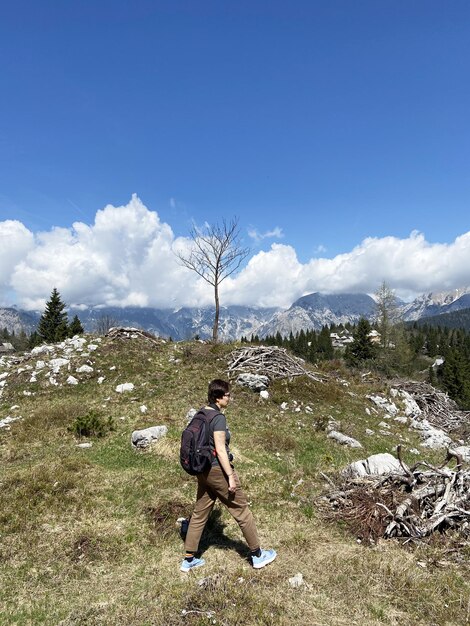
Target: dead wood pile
413, 505
436, 406
270, 361
120, 332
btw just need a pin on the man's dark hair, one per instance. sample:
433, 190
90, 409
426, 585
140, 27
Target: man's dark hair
217, 389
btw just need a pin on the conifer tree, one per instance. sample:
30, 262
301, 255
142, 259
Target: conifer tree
362, 348
53, 325
75, 327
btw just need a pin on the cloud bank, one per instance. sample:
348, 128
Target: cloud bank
126, 258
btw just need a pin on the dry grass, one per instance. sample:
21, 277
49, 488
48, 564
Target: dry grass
88, 537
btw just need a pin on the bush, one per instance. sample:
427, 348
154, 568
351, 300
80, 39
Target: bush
92, 425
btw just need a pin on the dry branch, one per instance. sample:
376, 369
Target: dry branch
270, 361
395, 506
436, 406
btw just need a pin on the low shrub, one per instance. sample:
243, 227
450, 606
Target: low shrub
92, 425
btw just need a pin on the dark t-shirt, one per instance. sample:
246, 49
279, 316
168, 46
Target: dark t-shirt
218, 423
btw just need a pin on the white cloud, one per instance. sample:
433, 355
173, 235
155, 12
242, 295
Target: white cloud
275, 233
126, 257
15, 242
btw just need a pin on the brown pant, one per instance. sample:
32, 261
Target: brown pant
213, 484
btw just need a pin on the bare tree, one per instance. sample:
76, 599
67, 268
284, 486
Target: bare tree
387, 314
104, 323
215, 254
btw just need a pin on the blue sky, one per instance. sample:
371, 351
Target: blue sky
324, 122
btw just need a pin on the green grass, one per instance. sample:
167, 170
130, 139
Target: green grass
88, 536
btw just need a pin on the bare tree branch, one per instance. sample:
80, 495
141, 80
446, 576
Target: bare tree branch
216, 253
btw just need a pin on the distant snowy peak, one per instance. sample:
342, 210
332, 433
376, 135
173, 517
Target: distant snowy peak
436, 303
316, 310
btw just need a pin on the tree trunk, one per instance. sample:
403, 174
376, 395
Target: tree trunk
215, 328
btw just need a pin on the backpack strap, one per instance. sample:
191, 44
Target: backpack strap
205, 411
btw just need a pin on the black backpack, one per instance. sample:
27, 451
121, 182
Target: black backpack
195, 452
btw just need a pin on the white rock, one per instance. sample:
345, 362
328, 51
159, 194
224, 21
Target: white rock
384, 404
369, 431
411, 406
264, 394
463, 451
86, 444
344, 440
14, 407
101, 379
4, 375
376, 465
384, 425
296, 581
143, 408
255, 382
284, 406
414, 451
401, 419
71, 380
40, 365
33, 379
143, 438
113, 367
27, 393
56, 364
125, 387
91, 347
42, 350
190, 414
6, 421
84, 369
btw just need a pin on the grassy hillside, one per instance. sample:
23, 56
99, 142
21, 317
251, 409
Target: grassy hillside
88, 536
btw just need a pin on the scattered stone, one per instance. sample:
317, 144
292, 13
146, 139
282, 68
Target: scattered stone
190, 414
101, 379
84, 369
113, 367
91, 347
143, 408
27, 393
56, 364
377, 465
344, 440
384, 425
296, 581
369, 431
384, 404
86, 444
414, 451
284, 406
14, 407
6, 421
401, 419
255, 382
40, 365
125, 387
143, 438
462, 451
71, 380
264, 394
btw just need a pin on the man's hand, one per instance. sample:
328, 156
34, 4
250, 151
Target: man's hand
232, 485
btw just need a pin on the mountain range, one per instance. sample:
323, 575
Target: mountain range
310, 311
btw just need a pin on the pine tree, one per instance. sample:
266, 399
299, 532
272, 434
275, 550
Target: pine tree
53, 325
75, 327
362, 348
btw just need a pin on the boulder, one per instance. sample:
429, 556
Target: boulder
125, 387
143, 438
375, 465
255, 382
344, 440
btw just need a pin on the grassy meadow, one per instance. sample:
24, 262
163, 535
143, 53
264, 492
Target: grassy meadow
88, 536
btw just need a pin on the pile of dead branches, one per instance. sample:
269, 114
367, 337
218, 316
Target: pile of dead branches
435, 405
120, 332
269, 361
421, 501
